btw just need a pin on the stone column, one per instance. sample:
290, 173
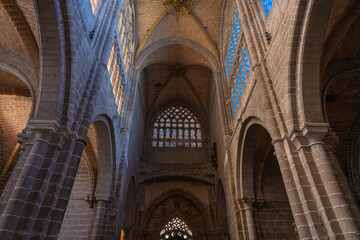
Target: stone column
102, 219
247, 209
290, 168
331, 204
37, 203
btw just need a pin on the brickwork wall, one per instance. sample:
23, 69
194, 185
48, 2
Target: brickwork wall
79, 217
275, 221
14, 114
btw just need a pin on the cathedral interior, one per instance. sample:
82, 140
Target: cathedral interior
179, 119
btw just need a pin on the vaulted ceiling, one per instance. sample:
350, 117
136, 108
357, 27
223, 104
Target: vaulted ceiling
178, 49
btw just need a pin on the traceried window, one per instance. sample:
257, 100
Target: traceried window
177, 127
119, 62
176, 229
237, 64
267, 6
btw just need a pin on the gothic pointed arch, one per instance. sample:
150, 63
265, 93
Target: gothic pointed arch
176, 203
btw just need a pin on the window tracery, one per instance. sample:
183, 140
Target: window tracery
119, 63
176, 228
177, 127
237, 63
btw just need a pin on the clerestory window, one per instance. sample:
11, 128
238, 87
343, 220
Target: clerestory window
177, 127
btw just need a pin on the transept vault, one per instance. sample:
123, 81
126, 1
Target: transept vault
179, 119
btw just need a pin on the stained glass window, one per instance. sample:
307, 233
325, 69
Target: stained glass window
198, 134
239, 84
234, 37
237, 25
231, 48
267, 6
236, 95
155, 133
227, 69
178, 124
246, 62
233, 103
229, 59
161, 134
186, 134
167, 133
176, 229
192, 134
242, 74
180, 136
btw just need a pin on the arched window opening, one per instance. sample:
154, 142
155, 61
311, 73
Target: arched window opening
237, 64
177, 127
267, 6
176, 229
117, 77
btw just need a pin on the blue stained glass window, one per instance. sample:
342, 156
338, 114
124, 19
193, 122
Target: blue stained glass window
198, 125
167, 133
231, 48
227, 69
239, 84
192, 134
236, 95
198, 134
233, 103
234, 37
199, 144
229, 59
161, 144
173, 134
187, 144
186, 134
242, 75
246, 62
237, 25
161, 133
154, 143
155, 133
180, 144
193, 144
267, 6
167, 144
173, 144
